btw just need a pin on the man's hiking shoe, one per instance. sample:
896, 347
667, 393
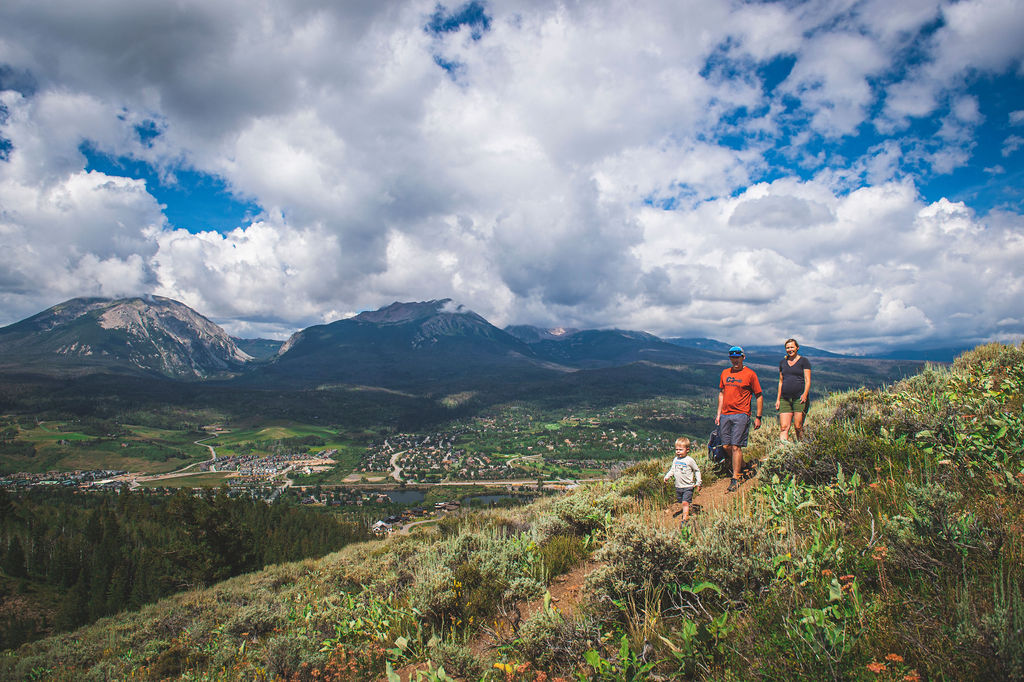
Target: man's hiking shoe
734, 485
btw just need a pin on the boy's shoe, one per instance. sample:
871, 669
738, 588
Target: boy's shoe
734, 485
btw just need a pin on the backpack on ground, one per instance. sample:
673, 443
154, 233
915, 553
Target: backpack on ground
721, 461
716, 453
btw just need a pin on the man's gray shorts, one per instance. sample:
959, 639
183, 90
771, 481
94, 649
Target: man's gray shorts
732, 429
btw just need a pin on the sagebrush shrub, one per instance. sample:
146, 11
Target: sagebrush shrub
432, 591
643, 481
549, 526
552, 642
256, 619
465, 577
860, 410
998, 354
635, 556
935, 529
503, 523
102, 672
477, 593
458, 661
561, 554
735, 553
817, 460
807, 464
451, 525
523, 588
285, 653
1004, 626
585, 509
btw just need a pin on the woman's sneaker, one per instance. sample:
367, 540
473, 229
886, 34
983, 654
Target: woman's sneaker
734, 485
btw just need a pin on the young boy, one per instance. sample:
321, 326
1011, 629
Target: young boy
687, 475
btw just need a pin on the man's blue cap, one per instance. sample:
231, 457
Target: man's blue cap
735, 350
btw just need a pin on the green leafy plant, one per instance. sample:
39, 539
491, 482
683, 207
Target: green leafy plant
627, 666
696, 646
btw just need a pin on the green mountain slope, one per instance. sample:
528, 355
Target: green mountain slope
888, 546
427, 347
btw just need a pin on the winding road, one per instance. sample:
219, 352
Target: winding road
396, 472
183, 471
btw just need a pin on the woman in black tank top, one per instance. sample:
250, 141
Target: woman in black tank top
794, 391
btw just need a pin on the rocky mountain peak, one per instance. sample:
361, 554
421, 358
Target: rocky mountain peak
151, 334
401, 313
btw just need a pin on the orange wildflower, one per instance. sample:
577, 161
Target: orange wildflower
876, 667
912, 676
825, 572
895, 658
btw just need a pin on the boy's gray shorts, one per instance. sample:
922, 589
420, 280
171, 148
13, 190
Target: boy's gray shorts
733, 428
684, 495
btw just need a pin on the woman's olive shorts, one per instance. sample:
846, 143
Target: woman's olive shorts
793, 405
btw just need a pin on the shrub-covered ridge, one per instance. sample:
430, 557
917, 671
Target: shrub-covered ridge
887, 546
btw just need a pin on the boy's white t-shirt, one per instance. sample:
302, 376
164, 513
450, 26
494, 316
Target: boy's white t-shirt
686, 472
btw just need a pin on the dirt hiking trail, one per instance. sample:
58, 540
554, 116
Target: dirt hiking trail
566, 590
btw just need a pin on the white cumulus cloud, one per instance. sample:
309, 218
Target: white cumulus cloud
749, 171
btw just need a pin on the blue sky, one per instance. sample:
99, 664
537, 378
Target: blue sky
192, 200
845, 172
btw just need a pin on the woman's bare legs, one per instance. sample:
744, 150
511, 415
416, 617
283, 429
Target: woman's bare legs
785, 418
798, 426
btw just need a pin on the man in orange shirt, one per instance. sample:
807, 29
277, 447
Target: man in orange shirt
735, 388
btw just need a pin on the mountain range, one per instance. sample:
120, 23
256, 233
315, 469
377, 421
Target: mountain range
425, 346
407, 365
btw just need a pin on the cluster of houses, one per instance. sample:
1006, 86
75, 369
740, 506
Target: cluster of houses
268, 466
430, 447
338, 497
418, 467
96, 479
433, 458
626, 441
390, 523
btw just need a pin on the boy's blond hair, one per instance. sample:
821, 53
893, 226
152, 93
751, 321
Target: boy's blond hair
683, 441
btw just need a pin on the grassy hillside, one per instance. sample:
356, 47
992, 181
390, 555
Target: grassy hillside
67, 445
888, 546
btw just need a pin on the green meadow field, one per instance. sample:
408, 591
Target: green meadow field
60, 446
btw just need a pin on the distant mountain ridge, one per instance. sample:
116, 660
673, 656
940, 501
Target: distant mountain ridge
531, 334
947, 354
596, 348
722, 347
135, 335
259, 349
405, 345
422, 346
